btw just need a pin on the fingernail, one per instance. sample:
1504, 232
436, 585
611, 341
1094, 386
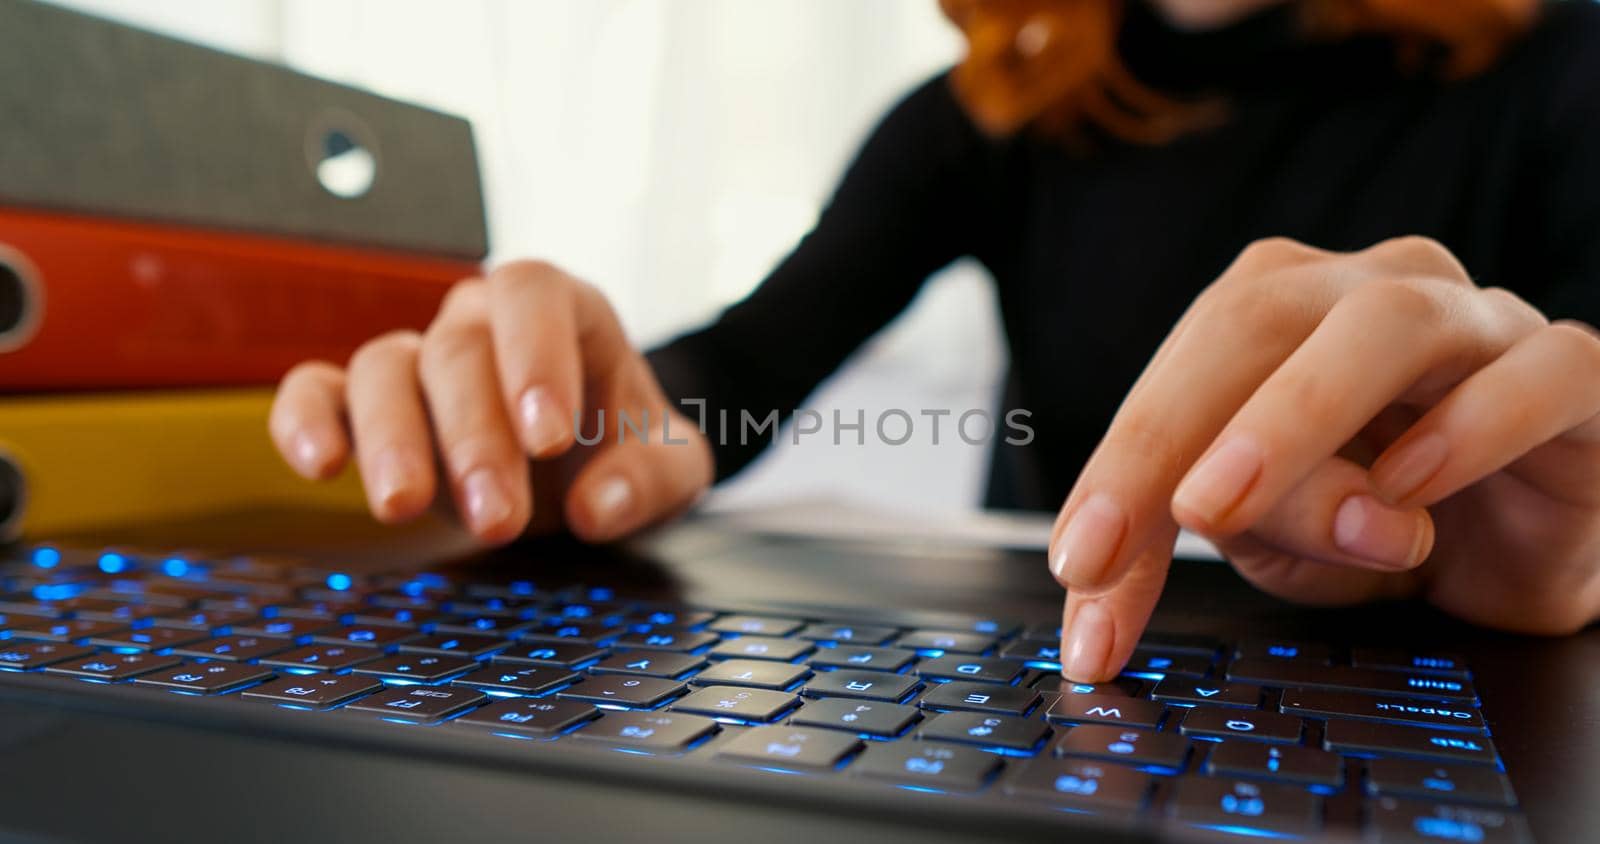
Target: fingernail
1089, 542
1405, 472
487, 502
1216, 486
306, 453
1367, 528
1088, 643
541, 421
390, 477
610, 500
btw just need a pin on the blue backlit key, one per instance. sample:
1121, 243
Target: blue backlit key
654, 617
937, 766
149, 638
649, 664
419, 704
1032, 651
946, 641
970, 669
235, 648
652, 732
1212, 721
416, 619
330, 658
477, 625
1342, 736
1106, 709
534, 718
111, 667
573, 630
862, 658
1167, 664
1391, 659
569, 655
790, 747
67, 630
985, 730
848, 634
1284, 649
287, 628
1260, 807
981, 697
621, 690
328, 610
313, 692
1044, 633
119, 611
1372, 681
454, 644
1119, 687
753, 625
1396, 710
205, 621
868, 685
1411, 821
517, 679
206, 679
416, 668
873, 718
1081, 785
366, 636
668, 639
751, 705
1438, 781
1301, 765
1166, 751
1186, 690
762, 647
26, 656
756, 673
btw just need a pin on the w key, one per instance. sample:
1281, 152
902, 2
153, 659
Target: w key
1105, 709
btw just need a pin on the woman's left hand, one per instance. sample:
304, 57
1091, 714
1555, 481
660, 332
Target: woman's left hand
1347, 427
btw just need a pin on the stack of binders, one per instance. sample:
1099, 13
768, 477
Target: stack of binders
178, 228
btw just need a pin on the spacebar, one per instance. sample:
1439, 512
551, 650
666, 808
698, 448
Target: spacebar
1271, 672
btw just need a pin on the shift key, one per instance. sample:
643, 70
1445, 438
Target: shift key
1289, 674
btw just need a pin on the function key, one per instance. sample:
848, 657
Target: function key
981, 697
1167, 664
470, 647
366, 636
112, 668
790, 747
419, 703
1301, 765
1285, 649
971, 669
1079, 784
649, 664
668, 639
416, 668
1106, 709
1232, 723
1357, 737
763, 647
1413, 820
567, 655
530, 717
149, 638
658, 732
1290, 674
207, 679
1438, 781
1182, 690
622, 690
517, 680
1390, 659
848, 634
234, 648
941, 766
884, 720
756, 673
945, 641
759, 705
1396, 710
1258, 806
1134, 747
313, 692
26, 656
867, 685
863, 659
1005, 731
755, 625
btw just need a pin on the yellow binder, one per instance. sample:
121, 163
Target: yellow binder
77, 462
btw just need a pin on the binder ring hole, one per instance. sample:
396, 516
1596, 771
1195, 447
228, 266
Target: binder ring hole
12, 498
345, 164
19, 301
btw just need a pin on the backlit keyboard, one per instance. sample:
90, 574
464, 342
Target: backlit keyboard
1258, 738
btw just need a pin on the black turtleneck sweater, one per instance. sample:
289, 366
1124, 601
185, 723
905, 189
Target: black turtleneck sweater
1096, 253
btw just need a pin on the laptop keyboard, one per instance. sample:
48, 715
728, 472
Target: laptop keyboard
1257, 738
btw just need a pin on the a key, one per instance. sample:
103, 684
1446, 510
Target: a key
573, 630
314, 692
1311, 653
555, 655
754, 625
1106, 709
288, 628
1391, 659
67, 630
1414, 821
869, 685
1232, 723
1301, 765
762, 647
530, 717
26, 656
945, 641
884, 720
978, 728
1081, 784
848, 634
790, 747
329, 658
1265, 806
656, 732
473, 625
113, 668
755, 673
1167, 751
621, 690
366, 636
1292, 674
148, 638
1438, 781
417, 668
1359, 737
517, 679
981, 697
649, 664
1167, 664
942, 766
1032, 651
669, 639
207, 679
862, 658
204, 621
1119, 687
968, 668
758, 705
1322, 704
235, 648
421, 704
467, 647
1185, 690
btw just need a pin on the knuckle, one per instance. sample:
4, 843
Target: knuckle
471, 449
1416, 301
311, 372
1140, 436
394, 345
528, 271
1257, 311
1510, 307
464, 298
448, 342
1579, 342
1273, 251
1424, 253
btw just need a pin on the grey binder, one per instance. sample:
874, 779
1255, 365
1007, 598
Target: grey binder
101, 118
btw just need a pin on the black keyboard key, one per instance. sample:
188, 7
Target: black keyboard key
23, 605
471, 625
573, 630
26, 656
1005, 731
622, 690
415, 619
1388, 739
467, 647
946, 641
790, 747
120, 612
417, 668
329, 658
205, 621
366, 636
207, 679
941, 766
884, 720
863, 659
1184, 690
1232, 723
235, 648
1032, 651
1322, 704
1391, 659
330, 611
758, 705
1046, 633
1284, 649
848, 634
421, 704
867, 685
1417, 822
755, 625
1301, 765
971, 669
1119, 687
654, 617
1168, 751
656, 732
113, 668
1081, 785
981, 697
762, 647
149, 638
1106, 709
317, 692
517, 679
540, 718
1259, 806
1167, 664
555, 655
1179, 643
1293, 674
288, 628
755, 673
1438, 781
669, 639
649, 664
67, 630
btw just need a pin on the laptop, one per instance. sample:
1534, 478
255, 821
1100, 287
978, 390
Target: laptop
301, 678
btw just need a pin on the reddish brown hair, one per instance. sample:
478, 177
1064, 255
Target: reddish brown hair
1053, 64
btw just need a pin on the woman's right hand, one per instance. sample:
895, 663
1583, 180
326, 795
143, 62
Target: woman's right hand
483, 404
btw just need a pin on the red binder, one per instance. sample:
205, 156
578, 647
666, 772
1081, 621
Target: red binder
98, 303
